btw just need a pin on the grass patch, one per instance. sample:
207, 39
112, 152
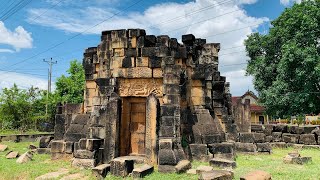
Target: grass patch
12, 132
41, 164
273, 164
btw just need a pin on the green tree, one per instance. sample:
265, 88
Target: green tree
70, 88
285, 63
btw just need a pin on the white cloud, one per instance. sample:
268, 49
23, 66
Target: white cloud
6, 51
288, 2
174, 19
18, 39
7, 79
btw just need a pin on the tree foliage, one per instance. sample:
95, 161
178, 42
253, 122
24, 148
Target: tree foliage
285, 63
70, 88
26, 109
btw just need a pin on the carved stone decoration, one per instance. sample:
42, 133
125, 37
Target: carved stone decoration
140, 87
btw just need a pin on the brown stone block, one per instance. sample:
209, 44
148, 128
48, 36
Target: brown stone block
118, 52
197, 101
119, 43
116, 62
134, 42
91, 84
157, 73
197, 91
142, 62
139, 72
120, 72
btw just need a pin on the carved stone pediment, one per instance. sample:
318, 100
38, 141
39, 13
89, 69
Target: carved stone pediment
140, 87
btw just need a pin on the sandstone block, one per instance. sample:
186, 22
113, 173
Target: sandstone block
222, 148
3, 147
85, 163
93, 144
245, 147
44, 141
57, 146
290, 138
24, 158
259, 137
264, 147
121, 166
277, 136
279, 145
142, 171
202, 169
280, 128
101, 171
167, 157
307, 139
216, 162
216, 175
256, 175
43, 150
246, 138
166, 168
12, 155
182, 166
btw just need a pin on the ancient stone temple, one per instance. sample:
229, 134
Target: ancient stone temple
146, 96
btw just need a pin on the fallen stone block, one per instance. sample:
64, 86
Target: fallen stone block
216, 175
216, 162
268, 129
296, 160
167, 157
257, 175
84, 163
182, 166
311, 146
257, 127
32, 147
279, 145
3, 147
53, 175
222, 148
309, 128
43, 150
264, 147
85, 154
12, 155
142, 171
166, 168
290, 138
199, 152
121, 166
245, 147
229, 156
75, 176
192, 171
307, 139
24, 158
202, 168
101, 171
45, 141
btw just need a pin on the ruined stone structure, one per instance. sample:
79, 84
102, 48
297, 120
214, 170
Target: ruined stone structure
148, 96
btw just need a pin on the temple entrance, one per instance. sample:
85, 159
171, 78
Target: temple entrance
133, 126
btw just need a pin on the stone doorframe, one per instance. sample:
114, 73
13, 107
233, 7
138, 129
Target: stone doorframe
151, 134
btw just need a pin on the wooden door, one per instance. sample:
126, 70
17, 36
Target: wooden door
137, 127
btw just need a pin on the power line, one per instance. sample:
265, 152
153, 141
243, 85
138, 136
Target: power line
74, 36
21, 4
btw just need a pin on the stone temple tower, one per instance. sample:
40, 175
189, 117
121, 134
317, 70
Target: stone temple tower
146, 96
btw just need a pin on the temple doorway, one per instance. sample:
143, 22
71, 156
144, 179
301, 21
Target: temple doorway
133, 126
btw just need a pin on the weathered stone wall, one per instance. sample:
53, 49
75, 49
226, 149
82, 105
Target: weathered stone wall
186, 99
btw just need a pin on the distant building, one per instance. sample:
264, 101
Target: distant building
257, 112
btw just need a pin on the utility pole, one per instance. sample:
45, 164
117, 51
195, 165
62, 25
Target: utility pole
50, 62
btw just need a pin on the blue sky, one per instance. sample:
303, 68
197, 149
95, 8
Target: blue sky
28, 35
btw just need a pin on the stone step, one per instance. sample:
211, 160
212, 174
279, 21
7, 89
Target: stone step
142, 171
121, 166
101, 171
183, 166
216, 175
222, 163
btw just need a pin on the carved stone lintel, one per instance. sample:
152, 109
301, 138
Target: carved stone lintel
140, 87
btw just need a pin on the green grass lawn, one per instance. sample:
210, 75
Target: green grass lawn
11, 132
273, 164
40, 165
